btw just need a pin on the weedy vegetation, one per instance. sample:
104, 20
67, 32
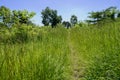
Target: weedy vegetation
59, 51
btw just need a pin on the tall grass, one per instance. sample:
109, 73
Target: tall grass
99, 51
36, 60
34, 53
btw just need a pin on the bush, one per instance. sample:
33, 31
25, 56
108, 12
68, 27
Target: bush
20, 34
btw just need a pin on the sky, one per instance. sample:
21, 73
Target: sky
65, 8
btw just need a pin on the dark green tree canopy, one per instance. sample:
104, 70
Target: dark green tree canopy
118, 15
107, 14
50, 17
66, 24
95, 15
73, 20
110, 12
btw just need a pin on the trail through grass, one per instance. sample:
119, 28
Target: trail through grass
98, 50
79, 53
75, 63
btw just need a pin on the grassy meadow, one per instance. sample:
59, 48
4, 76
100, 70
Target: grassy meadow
45, 59
98, 49
45, 53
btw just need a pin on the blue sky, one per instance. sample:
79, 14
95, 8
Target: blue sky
65, 8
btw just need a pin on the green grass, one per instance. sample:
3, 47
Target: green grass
44, 53
40, 60
99, 51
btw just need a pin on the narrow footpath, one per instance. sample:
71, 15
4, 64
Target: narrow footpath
77, 71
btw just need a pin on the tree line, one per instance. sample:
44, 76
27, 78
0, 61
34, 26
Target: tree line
51, 18
111, 13
8, 17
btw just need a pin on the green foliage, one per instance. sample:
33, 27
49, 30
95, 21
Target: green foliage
106, 66
118, 14
8, 17
98, 49
73, 20
50, 17
82, 24
20, 33
108, 13
29, 52
5, 15
22, 16
96, 16
66, 24
45, 59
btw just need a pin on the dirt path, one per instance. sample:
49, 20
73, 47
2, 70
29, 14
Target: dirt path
77, 71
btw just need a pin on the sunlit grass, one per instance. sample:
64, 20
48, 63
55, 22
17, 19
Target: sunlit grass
98, 49
45, 53
40, 60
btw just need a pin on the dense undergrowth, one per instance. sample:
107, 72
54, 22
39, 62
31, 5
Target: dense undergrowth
42, 53
40, 56
99, 51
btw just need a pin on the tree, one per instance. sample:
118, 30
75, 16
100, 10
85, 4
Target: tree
50, 17
95, 16
8, 17
118, 15
5, 15
15, 17
110, 13
22, 17
73, 20
66, 24
107, 14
